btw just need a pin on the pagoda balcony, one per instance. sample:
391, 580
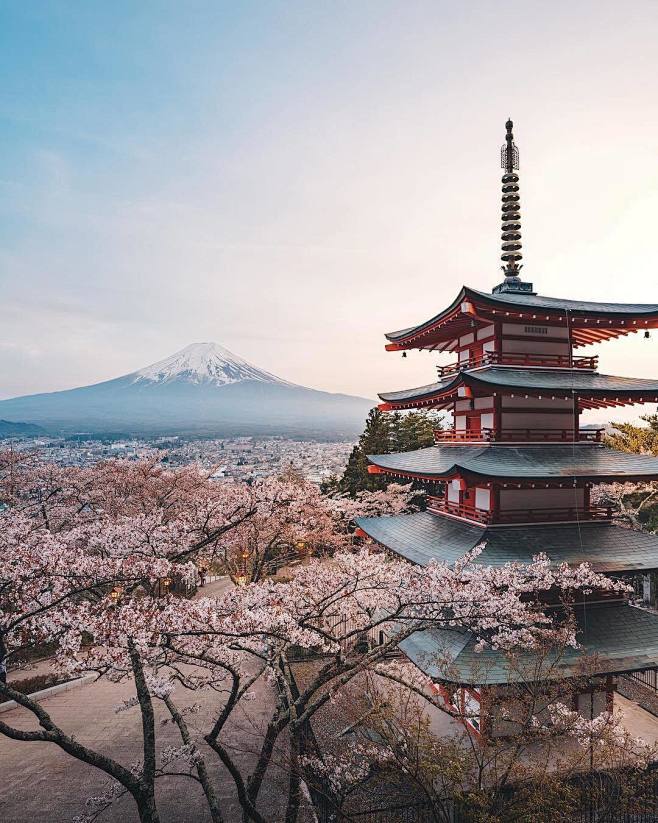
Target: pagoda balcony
442, 436
440, 505
556, 361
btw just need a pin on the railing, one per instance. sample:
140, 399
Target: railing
558, 515
561, 361
551, 515
461, 436
648, 679
487, 435
440, 504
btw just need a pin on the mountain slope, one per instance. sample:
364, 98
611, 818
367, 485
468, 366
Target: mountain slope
203, 389
11, 428
204, 363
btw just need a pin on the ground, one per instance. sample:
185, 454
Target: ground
40, 782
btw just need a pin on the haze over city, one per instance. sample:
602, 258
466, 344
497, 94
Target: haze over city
292, 180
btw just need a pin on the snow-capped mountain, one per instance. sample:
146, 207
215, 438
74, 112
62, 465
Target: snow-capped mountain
204, 363
203, 389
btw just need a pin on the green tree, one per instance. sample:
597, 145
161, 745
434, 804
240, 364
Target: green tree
637, 504
385, 432
637, 439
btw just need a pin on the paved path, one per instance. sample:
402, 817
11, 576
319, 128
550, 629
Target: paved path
42, 783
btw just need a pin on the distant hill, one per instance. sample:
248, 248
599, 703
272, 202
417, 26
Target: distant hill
9, 428
202, 389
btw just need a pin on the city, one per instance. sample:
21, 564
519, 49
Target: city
238, 459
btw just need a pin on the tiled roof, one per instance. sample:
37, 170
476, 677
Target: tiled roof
616, 637
526, 301
518, 462
424, 536
558, 380
562, 379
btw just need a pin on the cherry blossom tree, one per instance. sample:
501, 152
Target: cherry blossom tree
534, 774
86, 553
630, 501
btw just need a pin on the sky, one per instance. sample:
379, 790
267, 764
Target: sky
293, 179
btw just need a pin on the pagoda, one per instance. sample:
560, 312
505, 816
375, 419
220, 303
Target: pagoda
515, 470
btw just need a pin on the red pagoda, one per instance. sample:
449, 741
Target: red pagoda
515, 469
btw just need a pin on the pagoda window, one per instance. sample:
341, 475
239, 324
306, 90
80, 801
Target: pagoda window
471, 708
488, 421
483, 499
453, 492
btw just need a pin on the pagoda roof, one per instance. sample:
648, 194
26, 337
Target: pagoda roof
615, 637
615, 319
603, 389
546, 461
423, 537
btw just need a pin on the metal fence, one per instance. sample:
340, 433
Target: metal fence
648, 679
408, 813
599, 797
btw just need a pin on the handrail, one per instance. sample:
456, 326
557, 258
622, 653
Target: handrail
532, 515
562, 514
514, 359
527, 435
440, 504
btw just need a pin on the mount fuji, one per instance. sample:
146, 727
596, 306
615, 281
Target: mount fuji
202, 389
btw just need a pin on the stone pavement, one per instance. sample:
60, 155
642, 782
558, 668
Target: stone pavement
42, 783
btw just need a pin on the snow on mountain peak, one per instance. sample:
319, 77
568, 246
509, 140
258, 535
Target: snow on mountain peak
204, 363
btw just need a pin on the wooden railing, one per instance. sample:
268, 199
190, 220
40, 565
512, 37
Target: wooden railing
557, 515
487, 435
562, 361
441, 504
551, 515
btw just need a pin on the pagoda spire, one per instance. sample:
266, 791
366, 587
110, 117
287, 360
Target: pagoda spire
511, 217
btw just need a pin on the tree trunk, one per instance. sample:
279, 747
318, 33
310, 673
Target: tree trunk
148, 812
294, 779
256, 780
201, 768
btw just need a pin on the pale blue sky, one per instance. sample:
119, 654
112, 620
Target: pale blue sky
293, 179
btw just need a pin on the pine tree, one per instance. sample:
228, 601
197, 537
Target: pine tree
637, 439
385, 432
